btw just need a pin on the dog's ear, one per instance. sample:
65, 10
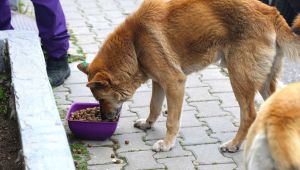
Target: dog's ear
83, 67
101, 80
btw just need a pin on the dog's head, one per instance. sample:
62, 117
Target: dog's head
106, 89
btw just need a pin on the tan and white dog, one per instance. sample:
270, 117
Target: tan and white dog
273, 141
167, 40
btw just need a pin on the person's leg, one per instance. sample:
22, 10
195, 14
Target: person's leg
5, 15
52, 27
55, 38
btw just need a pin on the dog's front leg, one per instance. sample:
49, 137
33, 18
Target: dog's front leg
157, 100
175, 94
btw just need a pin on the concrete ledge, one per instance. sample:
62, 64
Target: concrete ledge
44, 141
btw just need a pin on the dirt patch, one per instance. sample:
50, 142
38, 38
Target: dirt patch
10, 144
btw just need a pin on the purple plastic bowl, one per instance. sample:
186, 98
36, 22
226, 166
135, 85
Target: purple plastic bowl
90, 130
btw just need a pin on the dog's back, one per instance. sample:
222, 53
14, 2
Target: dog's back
273, 141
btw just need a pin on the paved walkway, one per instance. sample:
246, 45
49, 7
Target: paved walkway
210, 113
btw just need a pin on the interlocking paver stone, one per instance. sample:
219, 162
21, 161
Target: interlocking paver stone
94, 143
228, 99
188, 119
178, 163
79, 90
212, 74
199, 94
220, 123
208, 154
218, 167
235, 112
141, 160
106, 167
196, 135
61, 98
141, 99
143, 112
158, 131
193, 80
218, 86
83, 99
136, 142
77, 77
100, 155
60, 88
209, 109
125, 125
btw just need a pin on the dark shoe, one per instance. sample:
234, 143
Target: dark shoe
58, 70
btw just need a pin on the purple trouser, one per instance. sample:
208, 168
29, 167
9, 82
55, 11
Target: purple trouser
50, 22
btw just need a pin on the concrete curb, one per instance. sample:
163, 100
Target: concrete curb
44, 141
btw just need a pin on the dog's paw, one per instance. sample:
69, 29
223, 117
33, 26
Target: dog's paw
161, 145
142, 124
229, 147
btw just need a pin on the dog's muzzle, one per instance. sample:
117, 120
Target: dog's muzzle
112, 116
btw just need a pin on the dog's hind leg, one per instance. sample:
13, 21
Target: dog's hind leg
156, 103
245, 78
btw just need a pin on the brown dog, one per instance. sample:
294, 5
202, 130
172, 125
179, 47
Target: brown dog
167, 40
273, 141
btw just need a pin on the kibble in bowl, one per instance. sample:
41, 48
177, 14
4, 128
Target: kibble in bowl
84, 120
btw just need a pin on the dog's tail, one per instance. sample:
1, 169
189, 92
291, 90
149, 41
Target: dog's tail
288, 39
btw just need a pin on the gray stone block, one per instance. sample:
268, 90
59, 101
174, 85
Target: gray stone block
208, 154
227, 99
77, 77
100, 155
125, 125
136, 142
178, 163
229, 166
224, 137
212, 74
106, 167
157, 132
188, 119
209, 109
79, 90
94, 143
193, 80
199, 94
238, 158
141, 160
141, 99
143, 112
61, 98
219, 86
82, 99
235, 112
195, 136
220, 123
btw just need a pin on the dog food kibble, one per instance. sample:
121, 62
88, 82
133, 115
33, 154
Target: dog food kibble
89, 114
112, 155
126, 142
